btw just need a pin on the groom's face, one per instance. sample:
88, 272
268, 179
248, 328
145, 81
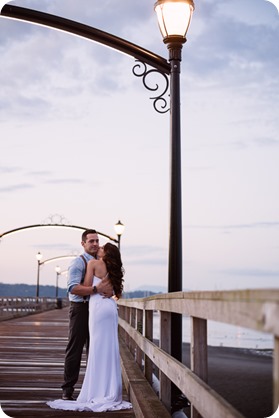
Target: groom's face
91, 245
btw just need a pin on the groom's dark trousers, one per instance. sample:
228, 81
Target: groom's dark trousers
78, 337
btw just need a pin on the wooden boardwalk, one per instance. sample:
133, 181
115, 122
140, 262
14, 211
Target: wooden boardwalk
31, 366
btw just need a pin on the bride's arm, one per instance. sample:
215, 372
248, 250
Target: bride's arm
90, 271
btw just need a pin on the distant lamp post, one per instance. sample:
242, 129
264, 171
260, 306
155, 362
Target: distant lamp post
39, 256
174, 17
119, 229
58, 272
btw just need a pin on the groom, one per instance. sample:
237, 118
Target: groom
78, 313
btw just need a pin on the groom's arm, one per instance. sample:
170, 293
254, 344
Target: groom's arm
81, 290
104, 287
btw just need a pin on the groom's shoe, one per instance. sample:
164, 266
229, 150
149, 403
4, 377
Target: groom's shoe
67, 396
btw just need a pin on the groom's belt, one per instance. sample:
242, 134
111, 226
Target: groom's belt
76, 303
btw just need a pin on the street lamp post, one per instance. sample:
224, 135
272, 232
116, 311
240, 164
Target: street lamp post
119, 229
58, 272
39, 256
174, 17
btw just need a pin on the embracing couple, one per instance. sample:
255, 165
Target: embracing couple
95, 281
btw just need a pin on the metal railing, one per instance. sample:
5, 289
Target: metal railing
13, 307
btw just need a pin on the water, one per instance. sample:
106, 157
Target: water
224, 335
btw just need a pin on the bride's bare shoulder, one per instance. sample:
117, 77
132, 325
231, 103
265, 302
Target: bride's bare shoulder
100, 268
93, 262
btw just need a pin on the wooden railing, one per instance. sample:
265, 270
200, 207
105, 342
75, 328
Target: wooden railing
12, 307
254, 309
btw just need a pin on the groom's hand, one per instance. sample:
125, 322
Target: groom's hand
105, 288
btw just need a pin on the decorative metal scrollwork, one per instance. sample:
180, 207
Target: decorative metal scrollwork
56, 219
160, 103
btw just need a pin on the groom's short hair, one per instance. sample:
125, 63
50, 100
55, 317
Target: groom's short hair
86, 232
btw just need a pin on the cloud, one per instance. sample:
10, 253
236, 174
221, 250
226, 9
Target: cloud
27, 107
242, 144
140, 250
253, 12
64, 247
256, 225
145, 255
68, 68
5, 169
231, 46
39, 173
147, 262
64, 181
9, 189
266, 142
250, 272
199, 168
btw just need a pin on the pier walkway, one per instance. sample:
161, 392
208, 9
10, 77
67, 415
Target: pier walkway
31, 366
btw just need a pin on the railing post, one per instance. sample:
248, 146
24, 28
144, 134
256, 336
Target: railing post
121, 314
165, 344
127, 319
139, 319
133, 324
276, 374
121, 311
148, 333
199, 364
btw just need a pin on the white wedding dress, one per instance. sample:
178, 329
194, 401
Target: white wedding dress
102, 385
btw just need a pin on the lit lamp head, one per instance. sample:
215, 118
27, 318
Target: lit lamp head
119, 228
57, 269
174, 17
39, 256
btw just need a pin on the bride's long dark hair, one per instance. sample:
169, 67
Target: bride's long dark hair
112, 259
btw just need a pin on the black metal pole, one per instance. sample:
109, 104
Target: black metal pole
175, 238
56, 291
38, 280
119, 237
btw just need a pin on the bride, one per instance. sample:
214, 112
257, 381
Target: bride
102, 385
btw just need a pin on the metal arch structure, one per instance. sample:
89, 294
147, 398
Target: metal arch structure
86, 31
142, 55
23, 228
61, 257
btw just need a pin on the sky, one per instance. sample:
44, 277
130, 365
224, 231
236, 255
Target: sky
81, 143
